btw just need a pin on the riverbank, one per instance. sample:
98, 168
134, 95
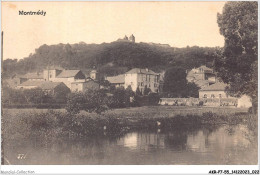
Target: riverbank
44, 128
60, 122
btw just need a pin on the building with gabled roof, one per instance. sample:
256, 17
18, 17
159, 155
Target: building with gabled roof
202, 76
65, 76
47, 86
141, 71
142, 78
117, 81
84, 86
71, 73
31, 76
137, 78
217, 90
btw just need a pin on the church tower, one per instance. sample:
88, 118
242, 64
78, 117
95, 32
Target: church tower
94, 74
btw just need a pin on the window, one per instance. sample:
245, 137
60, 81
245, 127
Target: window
220, 96
142, 83
50, 76
212, 96
205, 96
146, 77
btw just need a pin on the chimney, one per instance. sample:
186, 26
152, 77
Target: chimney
147, 69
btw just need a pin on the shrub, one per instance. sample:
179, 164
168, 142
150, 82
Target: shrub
153, 99
90, 101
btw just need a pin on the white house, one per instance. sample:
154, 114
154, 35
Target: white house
137, 78
142, 78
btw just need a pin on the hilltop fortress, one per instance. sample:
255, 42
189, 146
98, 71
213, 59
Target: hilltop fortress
126, 39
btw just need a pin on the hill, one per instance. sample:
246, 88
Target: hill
110, 58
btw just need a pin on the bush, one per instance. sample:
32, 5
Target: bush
153, 99
90, 101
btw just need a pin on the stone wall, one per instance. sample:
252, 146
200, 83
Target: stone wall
199, 101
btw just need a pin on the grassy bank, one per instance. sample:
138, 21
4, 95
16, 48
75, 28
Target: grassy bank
41, 130
58, 123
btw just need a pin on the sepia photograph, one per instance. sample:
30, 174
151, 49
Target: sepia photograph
129, 83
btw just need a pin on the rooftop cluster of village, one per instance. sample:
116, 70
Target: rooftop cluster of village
76, 81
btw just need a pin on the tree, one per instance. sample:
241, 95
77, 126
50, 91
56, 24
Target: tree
75, 102
192, 90
90, 101
34, 96
237, 65
146, 90
176, 84
138, 92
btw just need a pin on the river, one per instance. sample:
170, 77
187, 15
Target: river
198, 146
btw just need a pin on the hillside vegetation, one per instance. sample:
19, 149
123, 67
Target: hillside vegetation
110, 58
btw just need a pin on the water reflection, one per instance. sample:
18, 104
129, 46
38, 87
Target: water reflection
184, 145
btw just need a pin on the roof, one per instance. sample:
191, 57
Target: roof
31, 83
141, 71
201, 83
34, 75
48, 85
206, 69
215, 87
11, 82
117, 79
68, 73
45, 85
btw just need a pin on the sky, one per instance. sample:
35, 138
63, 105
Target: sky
178, 24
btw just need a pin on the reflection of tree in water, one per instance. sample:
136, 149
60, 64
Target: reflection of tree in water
176, 137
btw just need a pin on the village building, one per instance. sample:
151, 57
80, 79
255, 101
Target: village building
75, 80
126, 39
47, 86
117, 81
217, 90
90, 84
65, 76
94, 75
142, 78
137, 78
34, 76
202, 76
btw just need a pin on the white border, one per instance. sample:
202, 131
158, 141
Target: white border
126, 169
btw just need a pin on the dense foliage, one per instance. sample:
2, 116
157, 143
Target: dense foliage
176, 84
238, 63
109, 58
90, 101
30, 97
